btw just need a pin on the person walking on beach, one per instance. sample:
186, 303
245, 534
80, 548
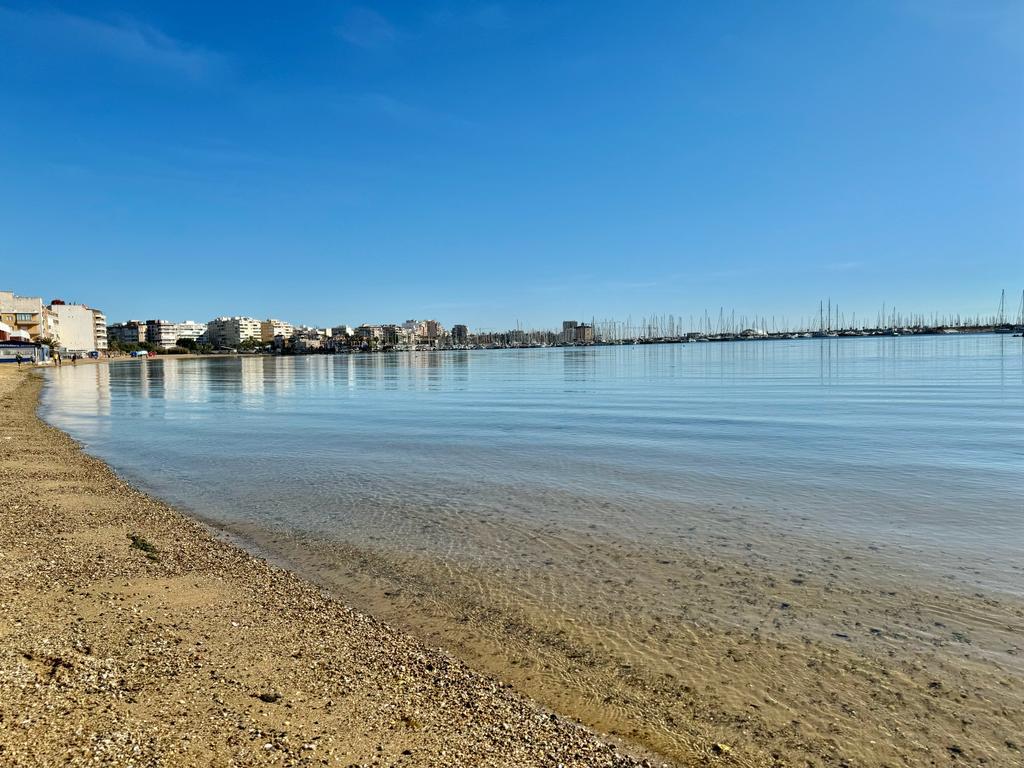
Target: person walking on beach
74, 359
56, 359
18, 358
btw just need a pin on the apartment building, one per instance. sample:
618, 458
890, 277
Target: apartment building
78, 328
370, 332
190, 329
162, 333
393, 335
270, 328
232, 331
99, 327
569, 330
424, 331
435, 330
130, 332
25, 313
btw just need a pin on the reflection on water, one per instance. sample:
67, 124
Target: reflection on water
921, 439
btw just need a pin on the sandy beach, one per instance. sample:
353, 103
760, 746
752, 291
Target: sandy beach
131, 635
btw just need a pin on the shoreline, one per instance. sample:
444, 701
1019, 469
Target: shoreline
787, 649
131, 634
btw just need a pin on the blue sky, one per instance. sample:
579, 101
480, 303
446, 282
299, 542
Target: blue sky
497, 162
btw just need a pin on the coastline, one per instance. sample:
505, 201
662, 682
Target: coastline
131, 634
786, 648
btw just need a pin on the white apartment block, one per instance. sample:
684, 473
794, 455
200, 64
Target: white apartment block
80, 329
232, 331
99, 323
270, 328
190, 329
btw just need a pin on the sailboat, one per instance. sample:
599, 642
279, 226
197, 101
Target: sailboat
1002, 326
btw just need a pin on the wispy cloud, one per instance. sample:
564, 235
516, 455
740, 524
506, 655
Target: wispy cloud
124, 38
365, 28
399, 111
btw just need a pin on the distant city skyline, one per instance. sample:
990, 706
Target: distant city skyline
512, 162
1008, 307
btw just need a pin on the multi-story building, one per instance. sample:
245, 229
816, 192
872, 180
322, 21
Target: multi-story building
342, 331
569, 330
162, 333
190, 329
369, 332
25, 313
78, 329
232, 331
99, 323
584, 333
417, 328
460, 335
424, 331
393, 335
310, 330
434, 330
130, 332
308, 340
270, 328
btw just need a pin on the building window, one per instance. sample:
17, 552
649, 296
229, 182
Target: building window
24, 317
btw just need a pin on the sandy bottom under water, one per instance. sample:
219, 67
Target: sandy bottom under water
785, 650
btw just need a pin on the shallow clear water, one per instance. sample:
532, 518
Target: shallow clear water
680, 544
916, 441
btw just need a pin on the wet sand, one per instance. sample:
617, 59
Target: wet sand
131, 635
